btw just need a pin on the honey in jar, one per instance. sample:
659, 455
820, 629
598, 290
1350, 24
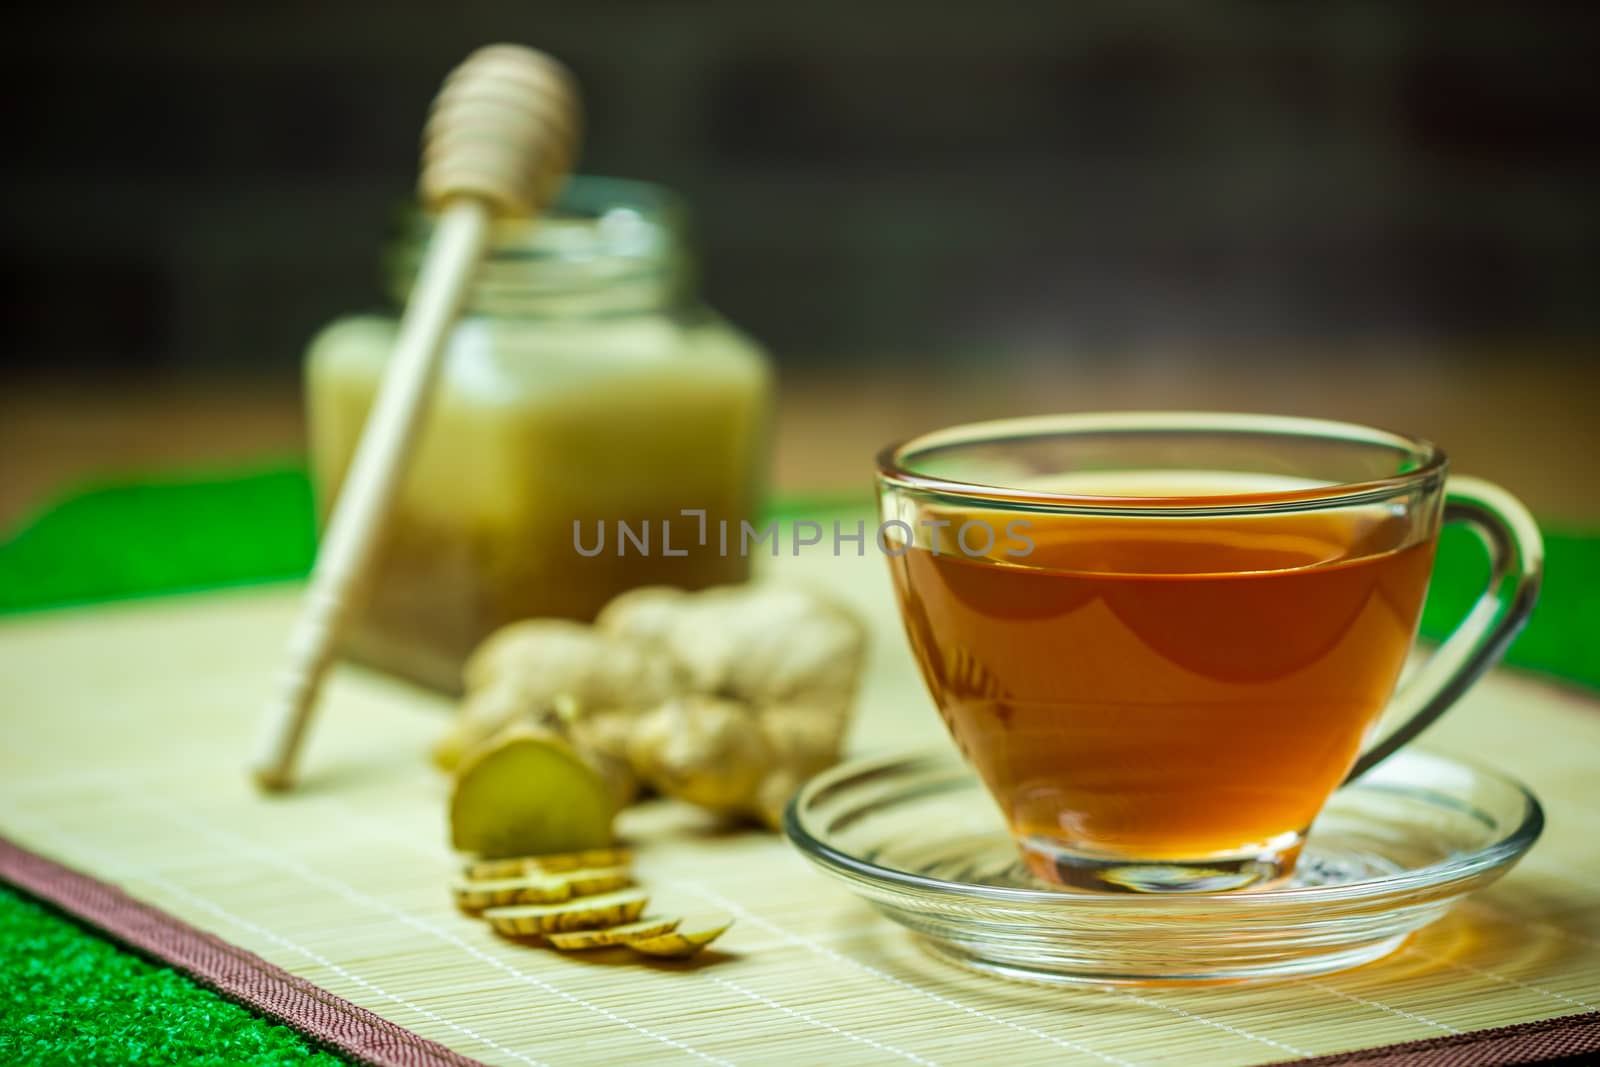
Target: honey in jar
586, 387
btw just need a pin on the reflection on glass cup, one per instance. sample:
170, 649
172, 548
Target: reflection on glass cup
1162, 640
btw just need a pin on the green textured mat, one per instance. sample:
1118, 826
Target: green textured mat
68, 996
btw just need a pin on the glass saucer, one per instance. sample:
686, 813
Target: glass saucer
919, 838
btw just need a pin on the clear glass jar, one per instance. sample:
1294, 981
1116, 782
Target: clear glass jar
585, 384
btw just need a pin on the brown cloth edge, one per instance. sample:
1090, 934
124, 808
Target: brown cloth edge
247, 979
234, 973
1535, 1042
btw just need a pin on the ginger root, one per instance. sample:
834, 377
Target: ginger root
728, 698
702, 749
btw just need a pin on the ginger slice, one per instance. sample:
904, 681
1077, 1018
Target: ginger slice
680, 944
497, 870
488, 893
606, 909
555, 863
572, 861
529, 794
588, 881
613, 935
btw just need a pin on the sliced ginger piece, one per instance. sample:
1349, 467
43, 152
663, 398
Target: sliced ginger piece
679, 944
589, 881
613, 935
573, 861
497, 870
584, 913
488, 893
556, 863
529, 794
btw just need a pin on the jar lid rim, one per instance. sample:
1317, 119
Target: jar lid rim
593, 218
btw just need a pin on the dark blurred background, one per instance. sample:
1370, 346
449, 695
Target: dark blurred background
1382, 211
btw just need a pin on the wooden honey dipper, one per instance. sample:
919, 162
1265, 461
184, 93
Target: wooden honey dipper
500, 138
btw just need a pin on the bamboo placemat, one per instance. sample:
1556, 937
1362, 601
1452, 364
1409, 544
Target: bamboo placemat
126, 729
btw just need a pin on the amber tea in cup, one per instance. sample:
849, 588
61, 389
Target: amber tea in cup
1163, 640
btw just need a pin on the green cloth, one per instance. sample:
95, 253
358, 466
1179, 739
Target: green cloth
135, 539
68, 996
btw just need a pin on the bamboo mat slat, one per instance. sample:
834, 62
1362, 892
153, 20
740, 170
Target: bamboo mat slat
125, 732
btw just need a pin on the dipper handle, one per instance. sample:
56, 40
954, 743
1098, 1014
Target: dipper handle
500, 138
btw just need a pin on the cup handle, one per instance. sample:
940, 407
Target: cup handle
1516, 564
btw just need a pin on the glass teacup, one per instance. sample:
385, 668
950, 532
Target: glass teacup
1163, 639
